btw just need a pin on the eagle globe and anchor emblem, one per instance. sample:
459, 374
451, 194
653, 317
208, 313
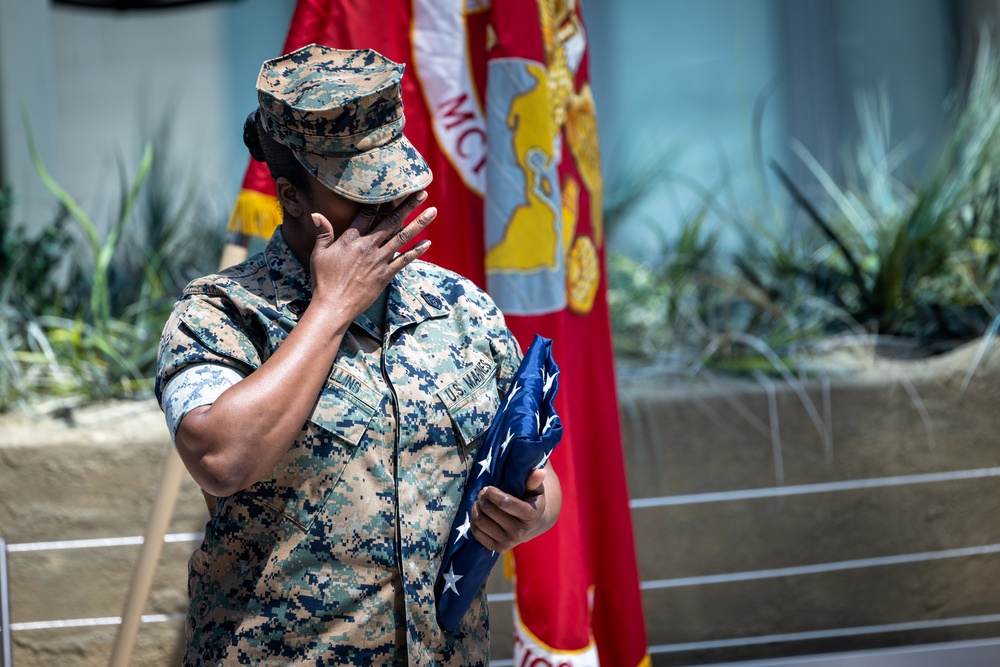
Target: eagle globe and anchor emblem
542, 248
539, 258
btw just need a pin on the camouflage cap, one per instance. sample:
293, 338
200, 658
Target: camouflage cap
341, 113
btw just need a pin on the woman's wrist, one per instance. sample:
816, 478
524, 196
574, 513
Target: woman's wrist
327, 320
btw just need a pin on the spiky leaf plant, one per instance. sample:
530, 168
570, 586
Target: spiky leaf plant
83, 326
918, 261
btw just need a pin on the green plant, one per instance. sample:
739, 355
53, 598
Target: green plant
694, 306
918, 261
879, 258
102, 351
30, 265
84, 326
178, 235
651, 303
699, 303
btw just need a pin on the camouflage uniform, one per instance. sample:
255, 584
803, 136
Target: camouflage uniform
341, 113
332, 558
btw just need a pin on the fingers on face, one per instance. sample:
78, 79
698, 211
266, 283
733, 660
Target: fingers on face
366, 216
390, 217
405, 235
384, 223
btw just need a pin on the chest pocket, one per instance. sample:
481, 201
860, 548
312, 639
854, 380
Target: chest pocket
472, 401
305, 476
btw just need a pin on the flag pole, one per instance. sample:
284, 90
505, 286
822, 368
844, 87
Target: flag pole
149, 559
156, 529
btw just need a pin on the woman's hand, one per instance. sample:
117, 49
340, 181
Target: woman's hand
350, 271
501, 521
237, 441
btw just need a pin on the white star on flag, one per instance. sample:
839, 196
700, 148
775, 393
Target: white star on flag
545, 459
463, 529
548, 423
450, 579
510, 436
486, 463
547, 381
516, 388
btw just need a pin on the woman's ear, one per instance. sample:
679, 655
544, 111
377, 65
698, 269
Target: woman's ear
290, 197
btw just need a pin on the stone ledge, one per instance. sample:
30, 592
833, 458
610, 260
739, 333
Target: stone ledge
98, 478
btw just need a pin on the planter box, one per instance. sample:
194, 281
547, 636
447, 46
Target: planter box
788, 530
762, 529
96, 478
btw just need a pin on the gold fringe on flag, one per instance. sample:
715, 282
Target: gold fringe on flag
255, 214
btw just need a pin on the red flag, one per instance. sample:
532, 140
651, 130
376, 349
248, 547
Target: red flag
386, 27
498, 101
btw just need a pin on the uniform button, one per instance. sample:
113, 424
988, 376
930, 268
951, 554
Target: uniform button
297, 307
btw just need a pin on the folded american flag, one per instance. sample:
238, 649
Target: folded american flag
520, 439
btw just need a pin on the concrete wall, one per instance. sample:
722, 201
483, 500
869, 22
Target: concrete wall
680, 79
97, 85
97, 479
797, 564
27, 71
790, 533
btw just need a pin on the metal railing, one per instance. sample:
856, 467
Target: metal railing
7, 627
6, 642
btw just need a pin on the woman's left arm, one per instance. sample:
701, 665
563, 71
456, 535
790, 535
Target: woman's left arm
501, 521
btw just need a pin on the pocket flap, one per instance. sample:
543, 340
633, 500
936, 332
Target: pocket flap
218, 332
311, 468
472, 401
345, 406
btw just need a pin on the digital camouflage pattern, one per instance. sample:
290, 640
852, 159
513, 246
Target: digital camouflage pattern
195, 386
332, 559
341, 113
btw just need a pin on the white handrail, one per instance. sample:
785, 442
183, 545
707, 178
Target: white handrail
806, 489
5, 627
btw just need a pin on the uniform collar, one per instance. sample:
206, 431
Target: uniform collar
412, 298
290, 280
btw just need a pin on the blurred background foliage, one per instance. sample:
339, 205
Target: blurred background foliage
906, 266
83, 302
876, 262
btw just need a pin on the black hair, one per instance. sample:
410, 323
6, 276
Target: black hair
280, 160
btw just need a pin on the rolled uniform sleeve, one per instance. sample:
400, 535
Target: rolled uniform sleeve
192, 388
204, 350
